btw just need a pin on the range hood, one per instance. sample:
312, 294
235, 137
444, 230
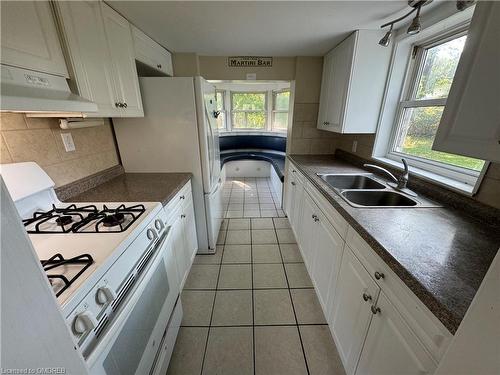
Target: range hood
40, 94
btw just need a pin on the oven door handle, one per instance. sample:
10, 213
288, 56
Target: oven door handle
129, 303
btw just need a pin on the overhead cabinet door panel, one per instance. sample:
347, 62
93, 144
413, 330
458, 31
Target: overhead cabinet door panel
29, 37
122, 56
87, 48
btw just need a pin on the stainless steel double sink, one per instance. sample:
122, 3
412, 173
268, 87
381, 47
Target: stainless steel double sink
363, 190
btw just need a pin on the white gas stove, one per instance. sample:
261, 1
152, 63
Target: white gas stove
100, 258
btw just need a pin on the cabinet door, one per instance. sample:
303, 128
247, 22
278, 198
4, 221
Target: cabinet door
342, 57
297, 201
178, 243
326, 88
151, 53
391, 347
85, 41
307, 229
475, 93
329, 248
189, 230
121, 47
349, 313
289, 193
29, 37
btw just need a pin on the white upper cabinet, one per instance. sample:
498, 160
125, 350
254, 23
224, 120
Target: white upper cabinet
353, 82
87, 49
121, 47
151, 53
470, 124
99, 46
29, 37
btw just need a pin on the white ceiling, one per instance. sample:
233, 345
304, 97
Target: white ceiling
272, 28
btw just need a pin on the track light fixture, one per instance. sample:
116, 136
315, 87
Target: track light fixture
414, 27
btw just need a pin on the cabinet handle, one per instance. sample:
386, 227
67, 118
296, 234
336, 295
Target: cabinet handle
379, 275
293, 170
182, 197
117, 105
183, 216
315, 218
367, 297
293, 183
158, 66
375, 309
326, 123
125, 105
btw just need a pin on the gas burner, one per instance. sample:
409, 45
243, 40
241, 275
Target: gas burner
113, 220
84, 260
64, 220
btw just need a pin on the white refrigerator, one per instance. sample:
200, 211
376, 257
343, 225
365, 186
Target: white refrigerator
178, 133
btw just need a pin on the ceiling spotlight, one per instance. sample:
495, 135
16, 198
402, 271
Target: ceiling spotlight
384, 42
414, 27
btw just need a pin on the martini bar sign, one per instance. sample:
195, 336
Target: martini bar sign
250, 61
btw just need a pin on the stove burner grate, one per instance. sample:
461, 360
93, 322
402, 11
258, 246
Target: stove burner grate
60, 216
58, 260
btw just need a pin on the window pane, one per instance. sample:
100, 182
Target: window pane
256, 120
439, 67
239, 120
417, 134
280, 120
221, 121
220, 100
281, 100
254, 101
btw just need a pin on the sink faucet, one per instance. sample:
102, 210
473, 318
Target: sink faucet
400, 182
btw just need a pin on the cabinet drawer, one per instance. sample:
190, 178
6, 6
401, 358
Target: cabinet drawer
337, 221
183, 197
433, 334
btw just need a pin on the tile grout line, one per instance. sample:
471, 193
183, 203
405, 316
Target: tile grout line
253, 308
213, 307
293, 305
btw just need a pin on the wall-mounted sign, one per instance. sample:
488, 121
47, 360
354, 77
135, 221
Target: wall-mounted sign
250, 61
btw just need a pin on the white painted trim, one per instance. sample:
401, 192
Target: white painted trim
399, 84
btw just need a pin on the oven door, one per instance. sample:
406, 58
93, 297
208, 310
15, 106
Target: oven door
133, 341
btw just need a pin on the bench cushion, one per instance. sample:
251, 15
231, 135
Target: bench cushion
277, 161
244, 141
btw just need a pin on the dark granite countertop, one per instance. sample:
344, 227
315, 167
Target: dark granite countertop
441, 254
136, 187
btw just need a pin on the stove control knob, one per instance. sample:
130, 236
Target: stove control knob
151, 234
104, 295
84, 322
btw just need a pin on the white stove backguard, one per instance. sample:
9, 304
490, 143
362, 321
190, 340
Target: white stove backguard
30, 187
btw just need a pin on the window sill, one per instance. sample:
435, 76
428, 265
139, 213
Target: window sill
437, 179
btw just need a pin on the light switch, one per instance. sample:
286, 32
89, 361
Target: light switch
67, 139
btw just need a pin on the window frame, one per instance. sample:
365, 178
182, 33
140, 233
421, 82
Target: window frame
224, 108
407, 101
273, 110
265, 111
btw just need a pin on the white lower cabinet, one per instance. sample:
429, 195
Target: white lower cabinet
391, 348
179, 214
378, 324
349, 317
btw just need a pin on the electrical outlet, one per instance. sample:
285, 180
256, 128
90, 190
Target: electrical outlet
67, 139
354, 146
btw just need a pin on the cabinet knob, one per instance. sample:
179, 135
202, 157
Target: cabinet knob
367, 297
379, 275
293, 183
293, 170
326, 123
315, 217
375, 309
117, 105
158, 66
125, 105
182, 197
183, 216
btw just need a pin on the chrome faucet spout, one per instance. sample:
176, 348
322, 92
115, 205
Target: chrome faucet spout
383, 170
401, 181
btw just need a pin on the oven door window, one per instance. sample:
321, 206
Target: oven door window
135, 338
